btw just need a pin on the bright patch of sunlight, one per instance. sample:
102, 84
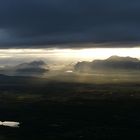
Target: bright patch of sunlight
10, 123
69, 54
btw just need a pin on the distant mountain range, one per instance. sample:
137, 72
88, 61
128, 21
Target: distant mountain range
35, 67
31, 68
33, 64
111, 63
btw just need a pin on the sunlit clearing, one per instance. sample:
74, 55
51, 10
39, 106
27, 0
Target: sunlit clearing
95, 53
69, 54
103, 53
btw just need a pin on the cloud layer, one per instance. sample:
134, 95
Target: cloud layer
40, 22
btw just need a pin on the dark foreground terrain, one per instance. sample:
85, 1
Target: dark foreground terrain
52, 110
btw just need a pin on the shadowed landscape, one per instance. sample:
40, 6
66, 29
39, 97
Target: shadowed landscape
48, 108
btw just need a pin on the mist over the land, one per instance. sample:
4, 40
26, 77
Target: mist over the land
69, 70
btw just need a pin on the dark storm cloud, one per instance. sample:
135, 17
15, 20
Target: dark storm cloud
42, 22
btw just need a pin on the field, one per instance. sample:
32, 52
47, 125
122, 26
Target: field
57, 109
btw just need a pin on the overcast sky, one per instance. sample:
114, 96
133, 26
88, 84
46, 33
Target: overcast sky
30, 23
